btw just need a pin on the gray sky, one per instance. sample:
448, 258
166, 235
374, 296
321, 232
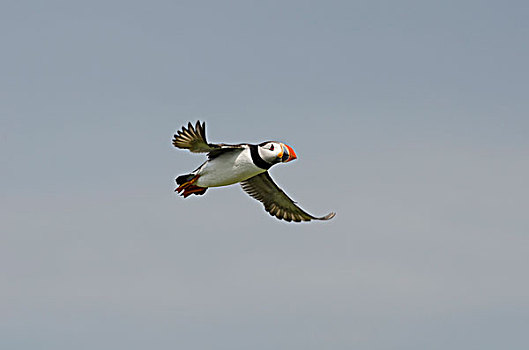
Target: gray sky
409, 118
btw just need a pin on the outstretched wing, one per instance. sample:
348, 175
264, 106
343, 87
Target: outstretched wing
193, 138
276, 202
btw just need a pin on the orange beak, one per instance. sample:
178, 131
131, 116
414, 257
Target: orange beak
288, 153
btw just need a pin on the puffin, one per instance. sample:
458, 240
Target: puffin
243, 163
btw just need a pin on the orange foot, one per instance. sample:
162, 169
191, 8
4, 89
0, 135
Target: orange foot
189, 188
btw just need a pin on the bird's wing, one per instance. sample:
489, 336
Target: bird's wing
276, 202
193, 138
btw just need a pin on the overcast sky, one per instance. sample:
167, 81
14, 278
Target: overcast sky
410, 119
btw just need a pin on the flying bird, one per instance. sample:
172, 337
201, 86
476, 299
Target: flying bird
244, 163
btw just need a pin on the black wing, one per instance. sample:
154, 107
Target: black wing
276, 202
194, 139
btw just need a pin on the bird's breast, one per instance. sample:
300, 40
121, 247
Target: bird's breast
227, 169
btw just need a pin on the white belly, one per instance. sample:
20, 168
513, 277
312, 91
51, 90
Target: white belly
227, 169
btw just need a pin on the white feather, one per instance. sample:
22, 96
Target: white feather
228, 168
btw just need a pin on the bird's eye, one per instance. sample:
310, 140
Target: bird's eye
271, 147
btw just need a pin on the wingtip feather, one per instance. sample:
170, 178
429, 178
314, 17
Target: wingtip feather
328, 216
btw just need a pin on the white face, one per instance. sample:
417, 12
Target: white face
271, 152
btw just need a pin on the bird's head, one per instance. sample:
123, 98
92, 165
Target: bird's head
276, 152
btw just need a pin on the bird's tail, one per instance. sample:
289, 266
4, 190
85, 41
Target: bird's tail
186, 185
184, 178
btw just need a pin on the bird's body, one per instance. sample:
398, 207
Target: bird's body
246, 164
227, 169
